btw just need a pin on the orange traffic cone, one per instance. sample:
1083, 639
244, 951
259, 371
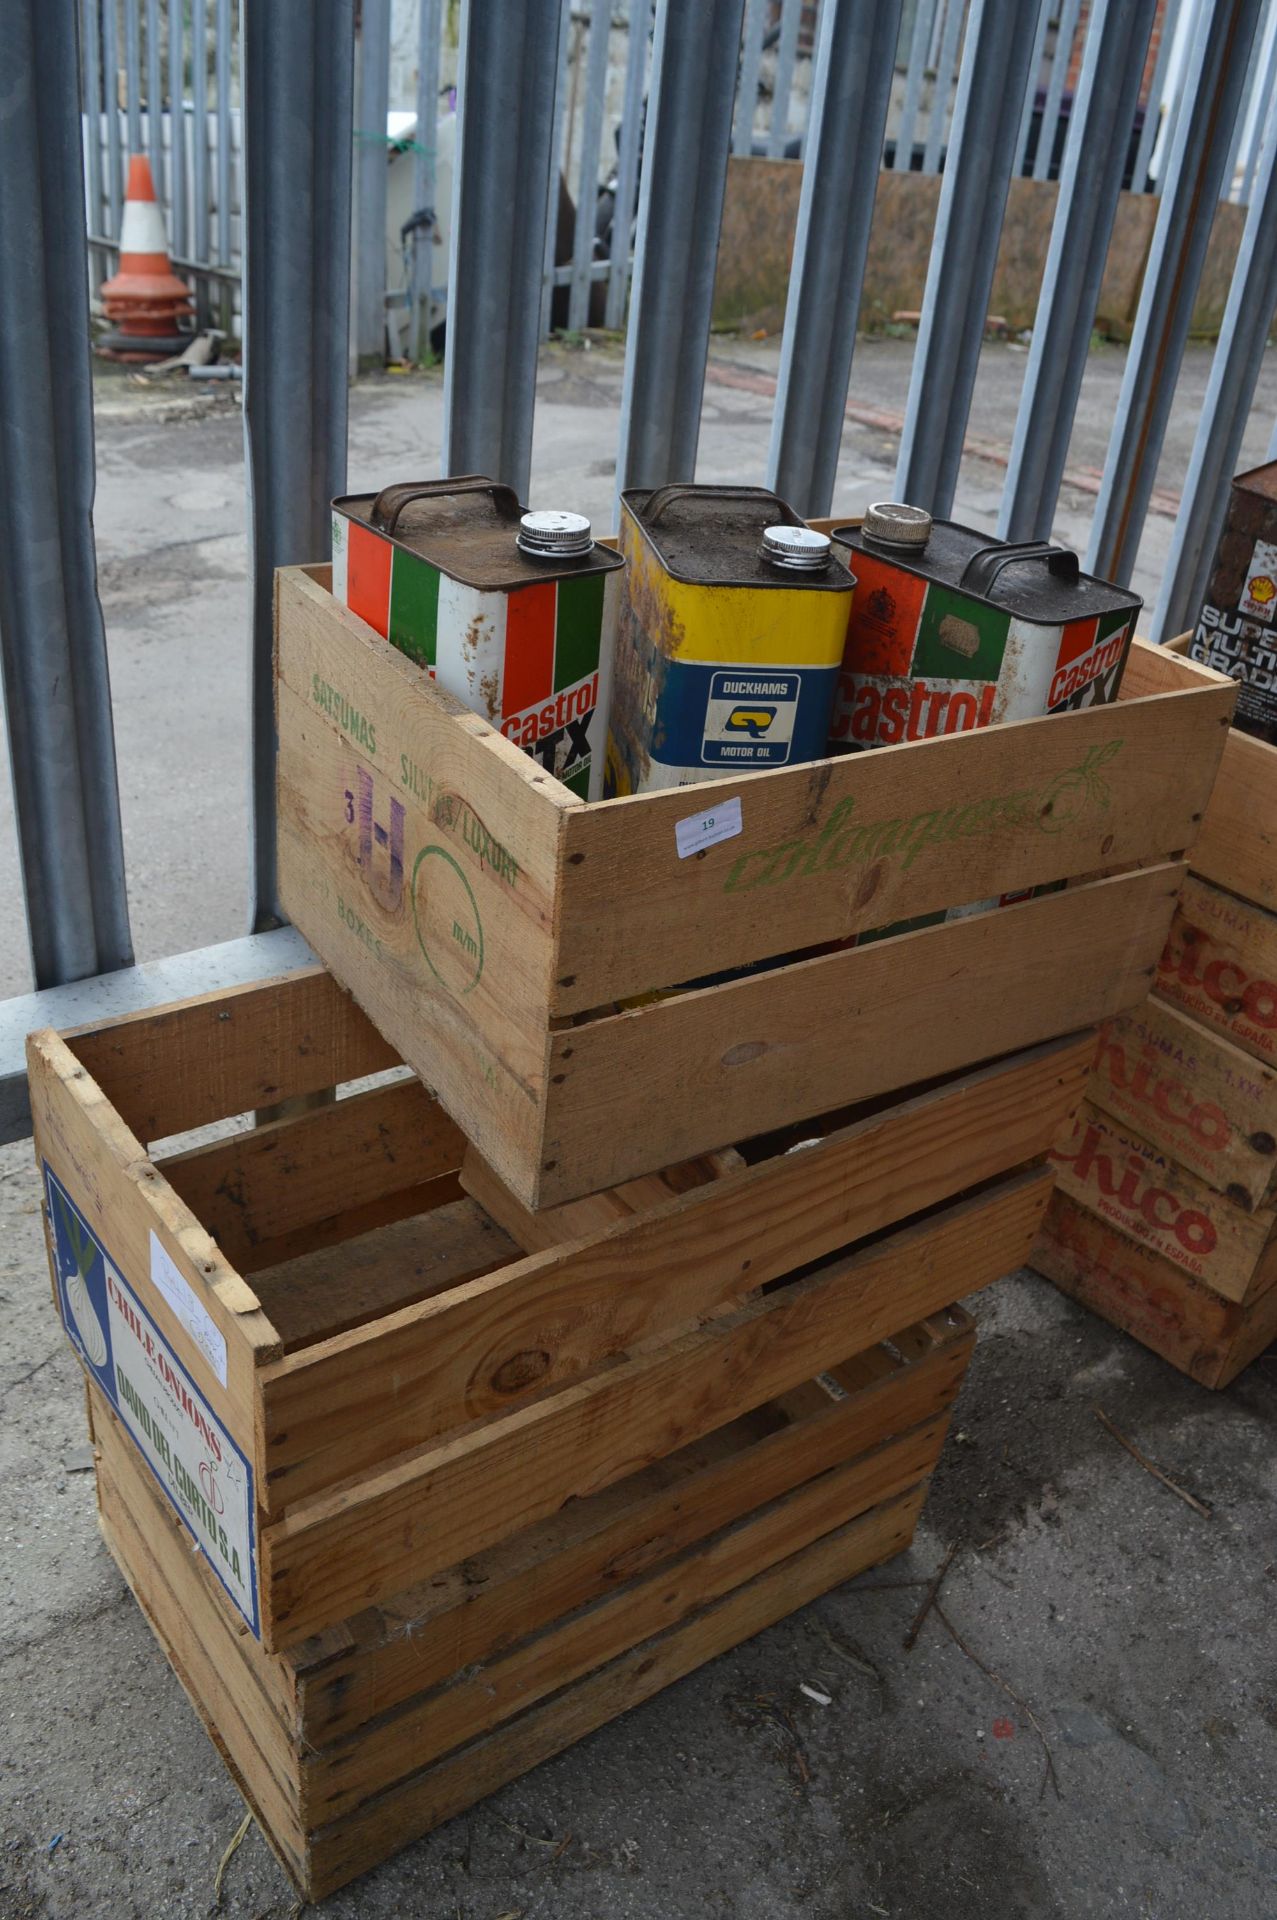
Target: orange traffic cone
145, 298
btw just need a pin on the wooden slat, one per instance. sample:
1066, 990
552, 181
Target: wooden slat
1194, 1095
1113, 1170
124, 1200
1237, 845
846, 845
350, 1548
342, 1777
1220, 966
229, 1052
552, 1316
801, 1039
363, 1838
475, 1611
318, 1295
269, 1181
452, 956
554, 1226
1132, 1287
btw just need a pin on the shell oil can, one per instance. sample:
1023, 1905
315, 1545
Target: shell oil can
513, 612
1236, 630
729, 640
952, 631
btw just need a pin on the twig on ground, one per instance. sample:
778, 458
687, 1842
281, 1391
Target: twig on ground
235, 1841
1189, 1499
839, 1646
929, 1599
1010, 1692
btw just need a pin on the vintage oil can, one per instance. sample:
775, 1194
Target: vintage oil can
729, 640
1236, 630
513, 612
952, 630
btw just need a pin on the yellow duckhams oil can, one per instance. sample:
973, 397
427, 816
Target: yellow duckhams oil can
729, 640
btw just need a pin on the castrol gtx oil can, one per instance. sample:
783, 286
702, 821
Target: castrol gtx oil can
952, 630
729, 641
513, 612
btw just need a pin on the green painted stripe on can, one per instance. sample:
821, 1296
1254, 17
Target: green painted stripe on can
959, 638
414, 607
579, 782
580, 622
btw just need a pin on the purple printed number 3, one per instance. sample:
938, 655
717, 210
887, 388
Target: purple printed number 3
386, 886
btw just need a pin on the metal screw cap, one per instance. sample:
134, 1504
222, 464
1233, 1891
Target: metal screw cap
897, 525
799, 548
550, 535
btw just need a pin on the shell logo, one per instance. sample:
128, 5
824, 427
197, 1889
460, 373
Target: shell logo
1263, 588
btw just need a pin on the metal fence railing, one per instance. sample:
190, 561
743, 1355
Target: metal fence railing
687, 83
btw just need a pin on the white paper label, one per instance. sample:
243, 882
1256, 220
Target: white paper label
707, 829
188, 1307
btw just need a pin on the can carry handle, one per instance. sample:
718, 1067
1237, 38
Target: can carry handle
663, 496
392, 500
984, 566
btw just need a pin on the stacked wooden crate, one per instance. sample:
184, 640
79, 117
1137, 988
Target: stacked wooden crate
501, 1393
1165, 1220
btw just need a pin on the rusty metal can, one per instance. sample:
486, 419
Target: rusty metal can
1236, 630
513, 612
729, 640
952, 631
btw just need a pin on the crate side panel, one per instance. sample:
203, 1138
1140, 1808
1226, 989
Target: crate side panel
550, 1318
846, 845
350, 1846
1194, 1095
1220, 966
783, 1045
328, 1557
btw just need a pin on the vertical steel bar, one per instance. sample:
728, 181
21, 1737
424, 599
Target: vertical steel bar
1153, 103
627, 166
1262, 97
919, 41
223, 29
155, 101
200, 223
1239, 354
851, 93
111, 102
1248, 94
425, 170
178, 216
297, 66
1214, 79
1103, 114
943, 86
92, 46
964, 251
1045, 11
588, 178
507, 68
689, 126
556, 170
786, 52
818, 10
1195, 13
52, 639
747, 91
1061, 59
370, 180
133, 74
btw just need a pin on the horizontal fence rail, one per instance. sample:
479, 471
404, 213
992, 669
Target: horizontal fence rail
568, 166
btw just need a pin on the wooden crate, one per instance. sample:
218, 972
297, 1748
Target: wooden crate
1197, 1329
372, 1733
495, 927
390, 1381
1164, 1222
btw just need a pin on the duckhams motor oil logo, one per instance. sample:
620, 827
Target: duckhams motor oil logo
749, 718
197, 1464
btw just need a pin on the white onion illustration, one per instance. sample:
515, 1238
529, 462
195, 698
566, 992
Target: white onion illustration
87, 1323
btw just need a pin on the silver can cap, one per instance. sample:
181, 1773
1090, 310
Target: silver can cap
800, 548
897, 525
552, 535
